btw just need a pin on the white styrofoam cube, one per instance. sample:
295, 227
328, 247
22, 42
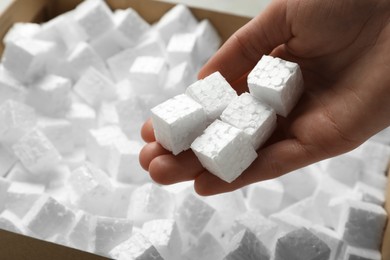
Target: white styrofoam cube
21, 31
257, 120
165, 237
193, 216
149, 202
81, 58
130, 113
177, 122
124, 90
370, 194
224, 150
7, 160
59, 132
36, 152
214, 93
47, 217
332, 239
182, 47
107, 114
178, 19
94, 17
375, 180
99, 142
90, 189
288, 221
362, 224
12, 223
123, 163
228, 205
4, 185
120, 201
26, 59
50, 95
137, 247
245, 245
276, 82
95, 88
375, 157
131, 25
107, 44
10, 88
148, 74
110, 232
179, 77
16, 119
207, 247
355, 253
344, 168
273, 190
301, 244
81, 234
208, 40
83, 118
304, 209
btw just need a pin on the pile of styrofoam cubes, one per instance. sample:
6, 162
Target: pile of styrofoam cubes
74, 93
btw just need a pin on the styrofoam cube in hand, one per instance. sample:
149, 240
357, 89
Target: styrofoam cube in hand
362, 224
90, 189
47, 218
16, 119
177, 122
182, 47
335, 243
149, 202
245, 245
208, 40
36, 152
136, 247
273, 190
26, 59
131, 25
50, 95
165, 237
257, 120
148, 74
10, 88
224, 150
94, 17
111, 232
301, 244
81, 234
207, 247
277, 83
95, 88
356, 253
179, 77
82, 118
21, 31
178, 19
214, 93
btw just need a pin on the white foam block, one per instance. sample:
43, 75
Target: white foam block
277, 83
164, 235
94, 17
224, 150
344, 168
108, 44
370, 194
131, 116
59, 132
245, 245
178, 19
362, 224
107, 114
47, 218
214, 93
355, 253
375, 157
208, 40
10, 88
82, 118
177, 122
149, 202
179, 77
182, 47
36, 152
110, 232
120, 201
301, 244
16, 119
91, 189
7, 160
4, 185
332, 239
257, 120
137, 247
12, 223
26, 59
95, 88
273, 190
21, 31
148, 74
207, 247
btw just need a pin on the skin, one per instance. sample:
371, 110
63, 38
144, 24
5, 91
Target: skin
343, 49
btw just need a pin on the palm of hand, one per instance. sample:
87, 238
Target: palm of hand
342, 48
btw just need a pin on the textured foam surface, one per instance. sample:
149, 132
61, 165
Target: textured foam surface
277, 83
224, 150
271, 189
183, 47
245, 245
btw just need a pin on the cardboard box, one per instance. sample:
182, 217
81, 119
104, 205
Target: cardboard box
18, 247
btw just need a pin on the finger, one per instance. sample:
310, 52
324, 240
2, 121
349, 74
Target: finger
260, 36
273, 161
147, 132
149, 152
168, 169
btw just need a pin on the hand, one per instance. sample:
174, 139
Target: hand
343, 48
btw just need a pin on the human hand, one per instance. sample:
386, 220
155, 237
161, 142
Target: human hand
343, 49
